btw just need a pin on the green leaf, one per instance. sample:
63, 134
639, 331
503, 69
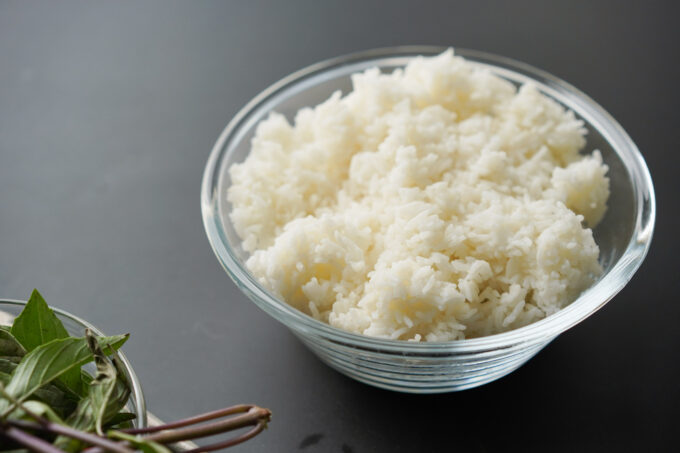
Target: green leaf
51, 361
62, 400
86, 377
109, 391
10, 348
36, 408
7, 366
139, 442
121, 420
81, 419
37, 324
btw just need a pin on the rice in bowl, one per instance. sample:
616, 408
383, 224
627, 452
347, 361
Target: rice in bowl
434, 203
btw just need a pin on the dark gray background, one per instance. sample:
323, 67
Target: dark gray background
108, 112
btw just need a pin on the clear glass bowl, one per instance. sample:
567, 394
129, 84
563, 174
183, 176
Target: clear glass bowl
10, 309
624, 235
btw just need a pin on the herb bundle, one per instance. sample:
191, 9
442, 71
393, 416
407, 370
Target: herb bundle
49, 404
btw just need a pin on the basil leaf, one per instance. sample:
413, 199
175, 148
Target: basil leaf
81, 419
121, 420
62, 400
86, 377
14, 360
37, 324
146, 446
38, 408
109, 391
7, 366
10, 348
51, 361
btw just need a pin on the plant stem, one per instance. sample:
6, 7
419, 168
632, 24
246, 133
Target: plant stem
168, 434
231, 442
14, 403
88, 438
192, 420
29, 441
254, 416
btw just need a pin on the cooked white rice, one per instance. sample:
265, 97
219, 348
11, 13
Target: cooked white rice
434, 203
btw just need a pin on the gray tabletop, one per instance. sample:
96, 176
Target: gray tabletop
108, 112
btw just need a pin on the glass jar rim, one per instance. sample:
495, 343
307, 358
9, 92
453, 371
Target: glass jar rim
586, 304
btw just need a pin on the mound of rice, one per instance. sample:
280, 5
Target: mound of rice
434, 203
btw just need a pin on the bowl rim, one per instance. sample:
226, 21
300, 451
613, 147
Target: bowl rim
137, 391
586, 304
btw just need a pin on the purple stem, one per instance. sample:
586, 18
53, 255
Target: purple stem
254, 416
231, 442
192, 420
88, 438
31, 442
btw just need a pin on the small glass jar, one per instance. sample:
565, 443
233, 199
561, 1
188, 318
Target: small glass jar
10, 309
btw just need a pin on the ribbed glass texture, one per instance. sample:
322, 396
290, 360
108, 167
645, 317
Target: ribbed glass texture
624, 235
10, 309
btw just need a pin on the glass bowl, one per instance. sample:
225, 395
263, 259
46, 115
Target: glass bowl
624, 235
10, 309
